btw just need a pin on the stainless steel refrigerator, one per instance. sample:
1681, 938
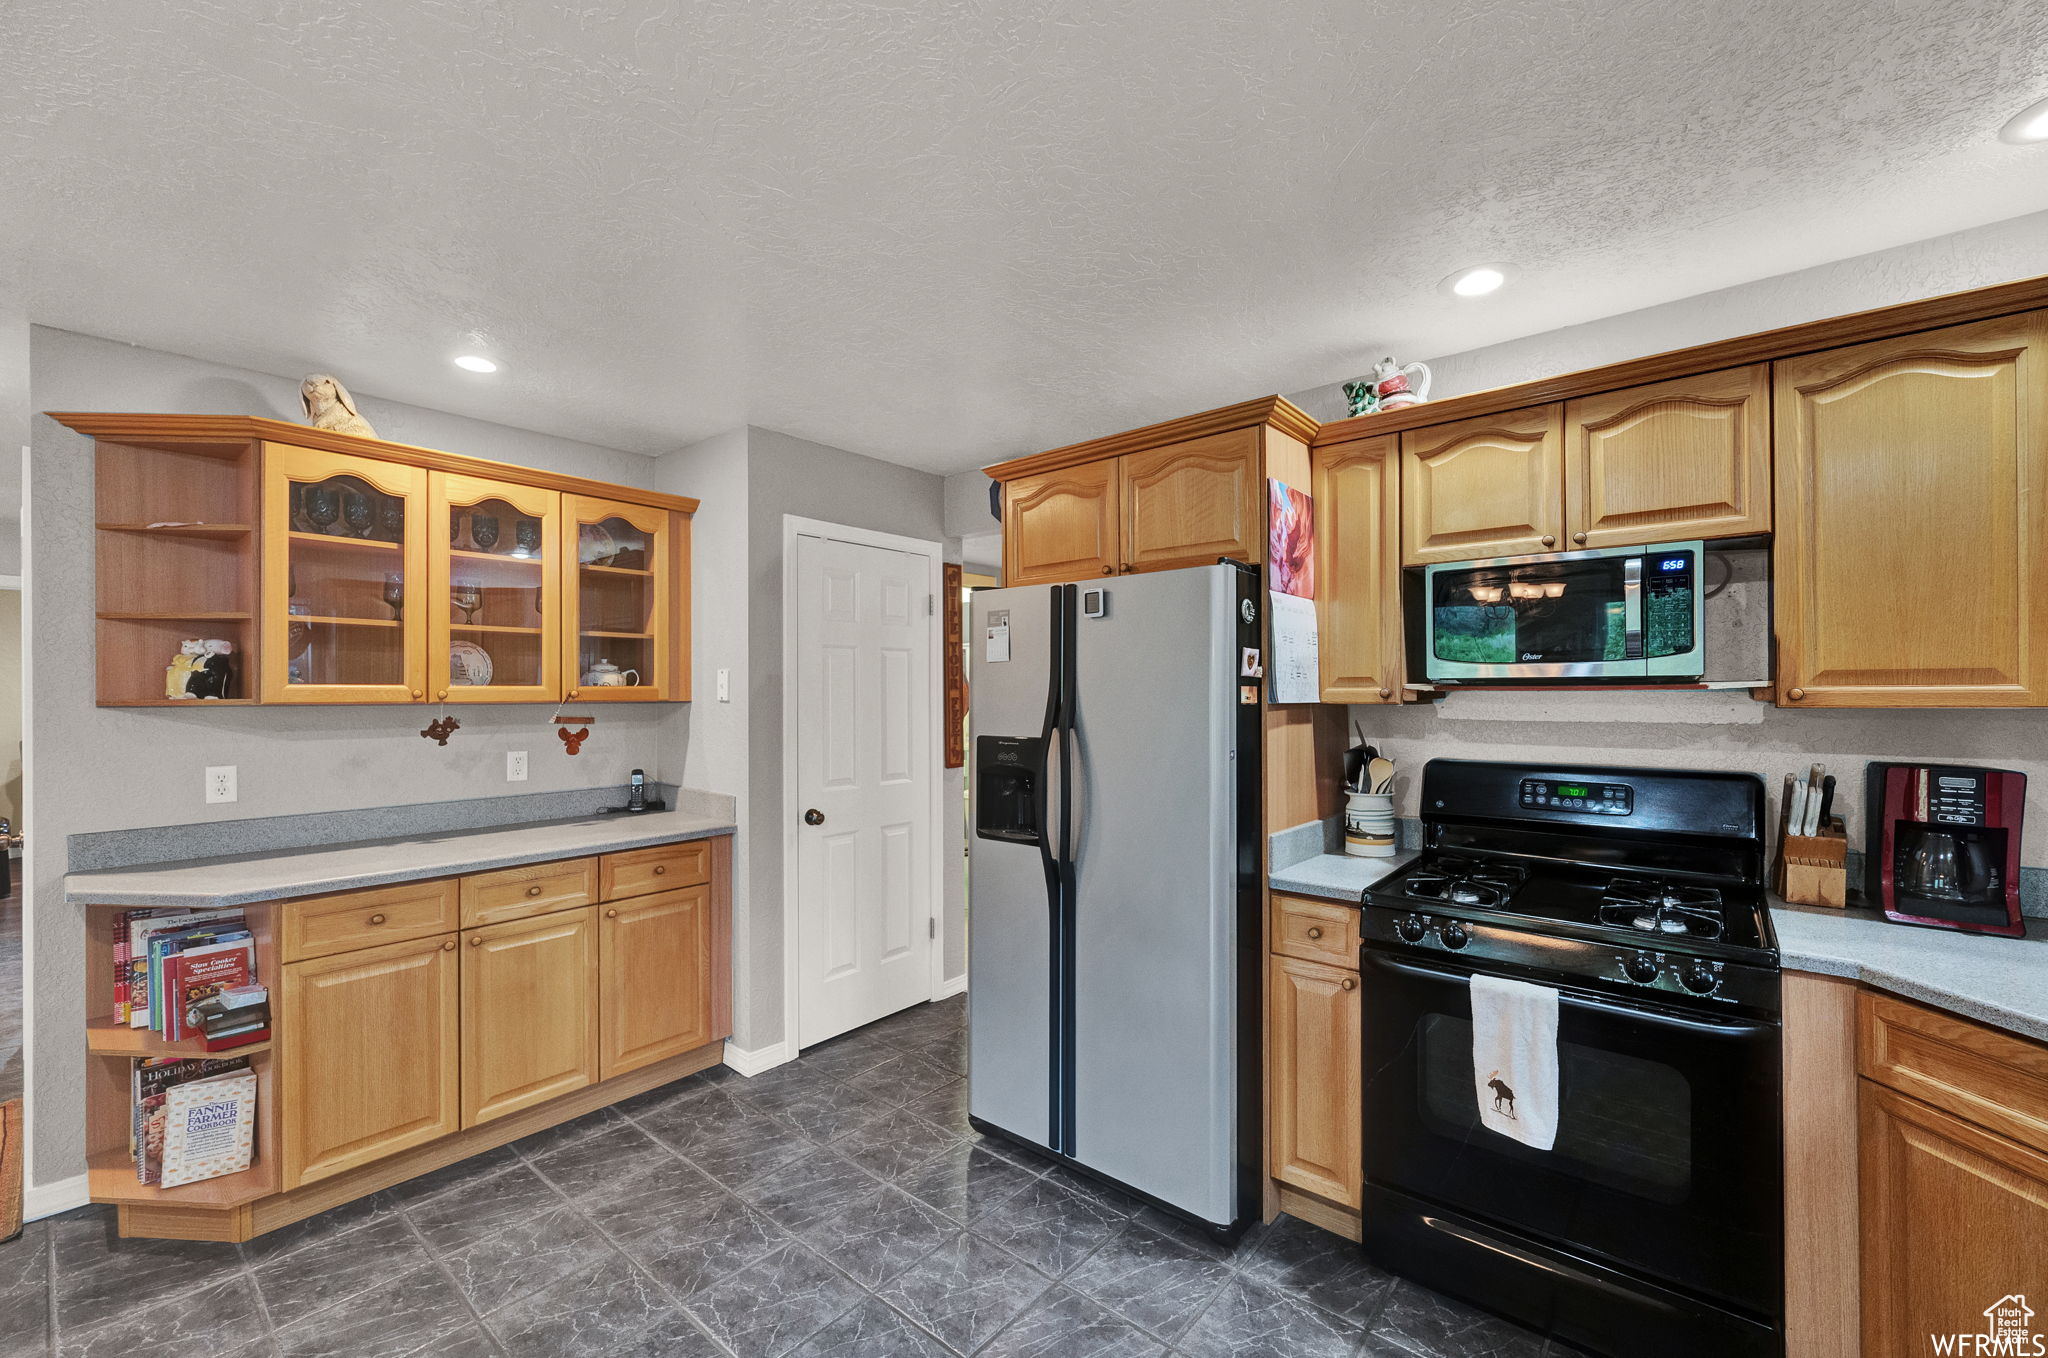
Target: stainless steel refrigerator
1113, 909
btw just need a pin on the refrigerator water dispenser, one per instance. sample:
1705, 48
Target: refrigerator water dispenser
1007, 798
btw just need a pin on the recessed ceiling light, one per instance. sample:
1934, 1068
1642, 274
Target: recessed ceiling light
2029, 124
1476, 281
475, 363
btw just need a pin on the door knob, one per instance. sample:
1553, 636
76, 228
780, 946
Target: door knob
1549, 540
814, 817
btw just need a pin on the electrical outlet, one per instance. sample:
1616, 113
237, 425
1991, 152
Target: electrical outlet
515, 766
725, 686
220, 783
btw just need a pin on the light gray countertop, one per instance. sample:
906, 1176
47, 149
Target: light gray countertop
245, 879
1999, 981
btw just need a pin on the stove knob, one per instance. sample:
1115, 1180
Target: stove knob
1641, 968
1411, 928
1699, 978
1454, 935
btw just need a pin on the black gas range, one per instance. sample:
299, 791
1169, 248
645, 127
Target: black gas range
1653, 1222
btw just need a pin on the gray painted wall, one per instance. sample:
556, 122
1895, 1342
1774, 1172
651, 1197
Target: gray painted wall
14, 408
94, 769
788, 475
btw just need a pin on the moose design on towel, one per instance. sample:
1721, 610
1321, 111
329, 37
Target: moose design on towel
1502, 1095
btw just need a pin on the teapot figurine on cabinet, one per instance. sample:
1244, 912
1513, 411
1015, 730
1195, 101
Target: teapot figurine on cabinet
1390, 387
604, 674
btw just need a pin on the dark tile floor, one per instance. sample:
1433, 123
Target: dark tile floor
839, 1206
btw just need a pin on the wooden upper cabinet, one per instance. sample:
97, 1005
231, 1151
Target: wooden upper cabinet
1188, 504
1485, 487
655, 983
1358, 569
1684, 459
1061, 525
529, 1012
344, 578
494, 602
616, 599
1314, 1108
1910, 556
368, 1055
1953, 1220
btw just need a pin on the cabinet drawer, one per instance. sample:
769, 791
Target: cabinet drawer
665, 867
1990, 1078
322, 925
536, 889
1316, 931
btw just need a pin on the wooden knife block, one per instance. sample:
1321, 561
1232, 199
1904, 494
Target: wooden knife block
1814, 868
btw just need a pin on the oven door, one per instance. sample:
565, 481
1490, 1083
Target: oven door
1667, 1159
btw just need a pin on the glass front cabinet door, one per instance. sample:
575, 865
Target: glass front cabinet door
344, 578
616, 646
494, 594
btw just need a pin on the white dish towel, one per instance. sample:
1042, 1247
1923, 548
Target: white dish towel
1514, 1058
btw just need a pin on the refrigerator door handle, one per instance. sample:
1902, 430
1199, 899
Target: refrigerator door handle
1065, 612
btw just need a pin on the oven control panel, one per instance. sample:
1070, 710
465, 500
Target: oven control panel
1557, 794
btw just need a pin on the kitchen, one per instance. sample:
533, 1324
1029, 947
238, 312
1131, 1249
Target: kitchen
1541, 851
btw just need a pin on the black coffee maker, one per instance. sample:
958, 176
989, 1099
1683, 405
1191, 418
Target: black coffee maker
1943, 846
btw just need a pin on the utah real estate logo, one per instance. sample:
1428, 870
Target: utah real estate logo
2008, 1329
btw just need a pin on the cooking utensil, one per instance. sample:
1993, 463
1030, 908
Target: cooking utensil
1380, 773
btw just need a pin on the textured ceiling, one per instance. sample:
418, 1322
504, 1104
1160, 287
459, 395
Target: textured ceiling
942, 234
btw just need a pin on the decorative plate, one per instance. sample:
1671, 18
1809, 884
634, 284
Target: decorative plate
468, 663
595, 546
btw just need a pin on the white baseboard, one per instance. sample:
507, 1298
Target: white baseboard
751, 1063
46, 1200
951, 986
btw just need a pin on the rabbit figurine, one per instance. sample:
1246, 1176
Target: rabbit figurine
330, 407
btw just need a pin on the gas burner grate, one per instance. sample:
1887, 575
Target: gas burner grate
1464, 881
1654, 906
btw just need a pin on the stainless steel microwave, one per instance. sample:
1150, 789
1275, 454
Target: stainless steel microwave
1626, 613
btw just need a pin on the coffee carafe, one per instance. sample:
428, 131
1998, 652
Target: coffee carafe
1943, 845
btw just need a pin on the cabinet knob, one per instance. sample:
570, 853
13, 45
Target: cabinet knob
449, 946
572, 693
535, 889
1109, 570
1549, 540
1349, 983
1124, 569
1386, 693
418, 694
1315, 931
442, 695
1796, 694
476, 941
611, 914
660, 871
376, 919
1579, 538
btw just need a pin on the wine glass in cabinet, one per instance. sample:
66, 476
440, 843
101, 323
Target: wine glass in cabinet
343, 593
494, 610
617, 559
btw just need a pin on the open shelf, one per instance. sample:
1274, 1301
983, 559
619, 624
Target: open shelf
111, 1176
174, 617
106, 1037
220, 531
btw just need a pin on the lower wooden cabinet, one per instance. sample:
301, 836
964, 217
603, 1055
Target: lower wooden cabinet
655, 977
1313, 1099
529, 1012
1955, 1219
368, 1057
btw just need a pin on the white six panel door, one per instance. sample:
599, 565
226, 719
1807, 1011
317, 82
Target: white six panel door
864, 731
